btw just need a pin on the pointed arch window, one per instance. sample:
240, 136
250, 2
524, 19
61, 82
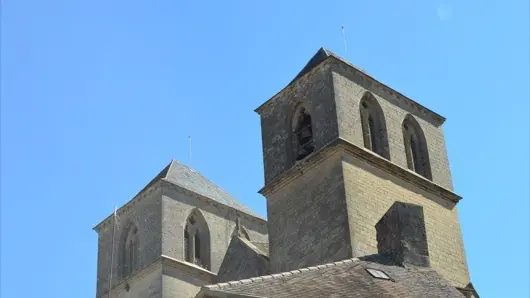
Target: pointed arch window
129, 250
197, 240
416, 148
374, 126
302, 135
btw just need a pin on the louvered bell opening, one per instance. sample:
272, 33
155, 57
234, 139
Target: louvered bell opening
305, 140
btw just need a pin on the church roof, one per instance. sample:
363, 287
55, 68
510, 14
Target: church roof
185, 177
188, 178
321, 55
347, 278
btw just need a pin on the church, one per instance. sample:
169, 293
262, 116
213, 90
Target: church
360, 203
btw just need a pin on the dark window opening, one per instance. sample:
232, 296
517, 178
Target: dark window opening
304, 135
198, 259
373, 134
129, 252
374, 127
416, 149
187, 246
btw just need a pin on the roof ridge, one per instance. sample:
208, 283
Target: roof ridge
277, 275
205, 178
207, 187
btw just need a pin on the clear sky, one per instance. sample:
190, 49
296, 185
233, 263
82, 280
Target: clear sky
98, 96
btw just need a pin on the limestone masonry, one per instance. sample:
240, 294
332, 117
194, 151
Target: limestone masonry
360, 203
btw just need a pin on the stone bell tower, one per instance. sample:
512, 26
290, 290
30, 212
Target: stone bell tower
339, 149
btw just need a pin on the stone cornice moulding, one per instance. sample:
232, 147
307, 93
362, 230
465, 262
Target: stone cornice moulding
159, 263
136, 275
211, 202
127, 206
340, 145
188, 268
437, 118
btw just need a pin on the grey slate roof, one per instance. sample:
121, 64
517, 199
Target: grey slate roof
185, 177
242, 260
321, 55
347, 278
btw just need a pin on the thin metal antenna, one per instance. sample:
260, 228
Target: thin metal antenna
344, 39
114, 224
190, 149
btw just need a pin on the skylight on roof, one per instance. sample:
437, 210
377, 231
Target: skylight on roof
377, 273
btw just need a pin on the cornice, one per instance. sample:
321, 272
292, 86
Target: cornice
292, 85
123, 209
439, 119
188, 268
156, 264
160, 263
340, 145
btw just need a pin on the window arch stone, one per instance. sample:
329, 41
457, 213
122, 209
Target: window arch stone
129, 250
416, 147
197, 240
373, 125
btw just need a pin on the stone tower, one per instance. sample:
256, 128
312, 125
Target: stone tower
339, 149
171, 238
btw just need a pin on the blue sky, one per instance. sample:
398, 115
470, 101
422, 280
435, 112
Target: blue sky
98, 96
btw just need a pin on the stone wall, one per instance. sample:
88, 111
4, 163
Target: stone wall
145, 285
308, 222
145, 213
243, 260
177, 204
349, 85
179, 284
315, 92
370, 192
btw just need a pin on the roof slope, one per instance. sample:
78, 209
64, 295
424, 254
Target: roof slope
185, 177
320, 56
242, 260
348, 278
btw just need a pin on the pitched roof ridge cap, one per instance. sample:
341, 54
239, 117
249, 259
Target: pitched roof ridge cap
280, 274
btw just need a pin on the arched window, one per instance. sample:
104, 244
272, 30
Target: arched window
129, 250
416, 148
374, 126
197, 240
302, 135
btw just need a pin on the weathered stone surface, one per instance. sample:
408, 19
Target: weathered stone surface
401, 235
242, 260
371, 191
322, 208
144, 213
159, 212
338, 197
315, 92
